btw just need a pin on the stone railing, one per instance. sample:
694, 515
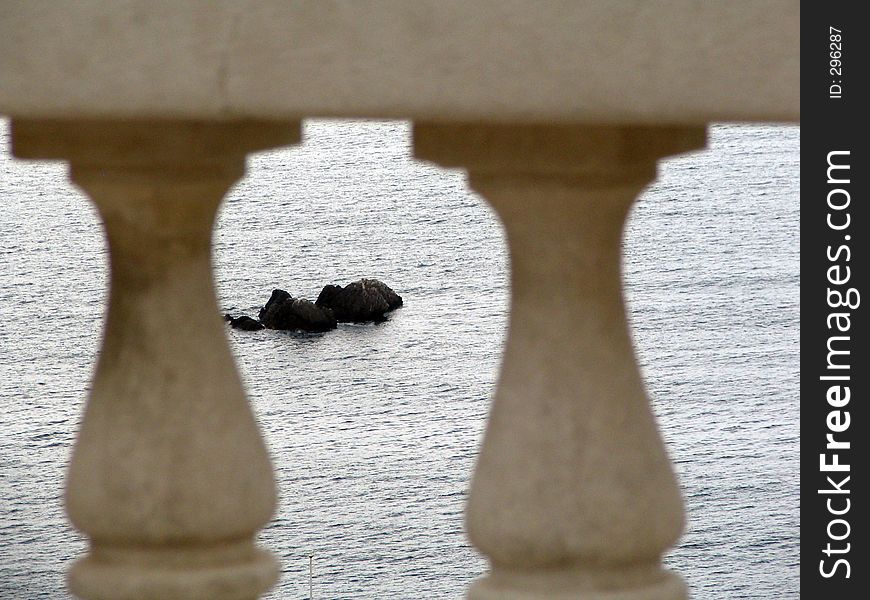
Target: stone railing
559, 113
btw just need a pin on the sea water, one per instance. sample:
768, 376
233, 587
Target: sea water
373, 429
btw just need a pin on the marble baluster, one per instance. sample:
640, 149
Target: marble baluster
573, 495
170, 479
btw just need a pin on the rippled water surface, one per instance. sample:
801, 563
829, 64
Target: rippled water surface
374, 428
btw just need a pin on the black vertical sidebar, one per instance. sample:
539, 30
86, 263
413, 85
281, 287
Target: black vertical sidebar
835, 368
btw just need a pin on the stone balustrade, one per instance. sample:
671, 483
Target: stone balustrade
573, 494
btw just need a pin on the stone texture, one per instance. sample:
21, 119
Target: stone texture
243, 322
615, 61
573, 495
169, 478
283, 311
360, 301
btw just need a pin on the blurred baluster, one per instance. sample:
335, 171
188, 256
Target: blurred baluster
573, 496
169, 479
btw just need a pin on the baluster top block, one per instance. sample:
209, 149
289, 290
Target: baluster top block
550, 149
613, 61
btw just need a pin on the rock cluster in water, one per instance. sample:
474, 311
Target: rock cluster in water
360, 301
363, 301
283, 311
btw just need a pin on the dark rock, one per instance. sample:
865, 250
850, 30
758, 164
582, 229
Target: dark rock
244, 322
283, 311
360, 301
329, 296
278, 298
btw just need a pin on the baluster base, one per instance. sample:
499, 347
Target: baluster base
639, 583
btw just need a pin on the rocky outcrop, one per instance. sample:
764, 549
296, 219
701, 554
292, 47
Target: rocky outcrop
360, 301
283, 311
243, 322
